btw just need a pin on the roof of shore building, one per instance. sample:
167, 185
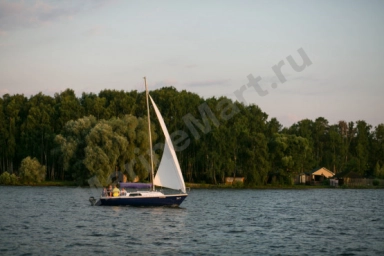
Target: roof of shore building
322, 171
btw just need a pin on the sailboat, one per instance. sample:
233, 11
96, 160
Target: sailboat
168, 175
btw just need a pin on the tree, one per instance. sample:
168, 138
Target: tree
71, 143
14, 107
273, 126
377, 152
289, 156
379, 171
362, 146
99, 148
31, 171
5, 178
110, 145
37, 129
94, 105
118, 103
67, 108
303, 129
3, 137
334, 148
320, 130
227, 138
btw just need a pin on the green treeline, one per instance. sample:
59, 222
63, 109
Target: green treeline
71, 138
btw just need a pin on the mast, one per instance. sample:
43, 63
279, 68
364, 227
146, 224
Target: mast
149, 132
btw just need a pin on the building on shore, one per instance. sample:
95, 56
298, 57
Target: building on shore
314, 177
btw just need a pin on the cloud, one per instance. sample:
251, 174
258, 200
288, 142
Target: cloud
4, 91
205, 83
298, 85
288, 119
289, 77
20, 14
95, 31
29, 14
191, 66
3, 33
163, 83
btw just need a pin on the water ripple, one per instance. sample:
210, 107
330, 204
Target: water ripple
60, 221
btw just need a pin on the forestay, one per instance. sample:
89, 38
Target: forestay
169, 173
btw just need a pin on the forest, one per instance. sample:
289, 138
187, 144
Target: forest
75, 138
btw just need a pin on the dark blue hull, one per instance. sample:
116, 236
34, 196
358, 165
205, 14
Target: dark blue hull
167, 200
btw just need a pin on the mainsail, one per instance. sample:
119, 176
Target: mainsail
169, 173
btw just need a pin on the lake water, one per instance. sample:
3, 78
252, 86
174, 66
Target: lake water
60, 221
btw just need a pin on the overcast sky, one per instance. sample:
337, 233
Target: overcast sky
207, 47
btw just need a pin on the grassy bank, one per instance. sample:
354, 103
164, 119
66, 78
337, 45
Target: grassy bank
218, 186
241, 186
58, 183
270, 186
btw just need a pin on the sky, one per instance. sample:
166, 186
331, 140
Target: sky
211, 48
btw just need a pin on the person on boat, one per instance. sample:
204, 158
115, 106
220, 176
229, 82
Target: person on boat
104, 193
123, 192
109, 190
115, 191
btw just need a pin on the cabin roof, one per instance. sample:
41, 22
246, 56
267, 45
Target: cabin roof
322, 171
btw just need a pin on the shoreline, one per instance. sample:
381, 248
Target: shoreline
190, 186
270, 186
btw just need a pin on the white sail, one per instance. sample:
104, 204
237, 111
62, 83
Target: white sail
169, 173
